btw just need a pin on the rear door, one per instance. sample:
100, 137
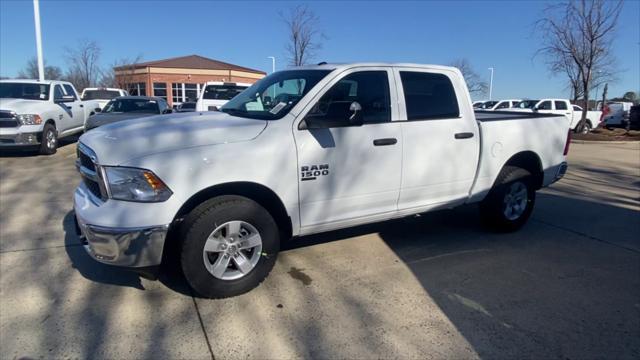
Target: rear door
350, 173
440, 143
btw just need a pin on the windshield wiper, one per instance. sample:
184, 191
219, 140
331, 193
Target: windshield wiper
232, 111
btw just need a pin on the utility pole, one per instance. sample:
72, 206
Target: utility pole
491, 84
36, 17
273, 63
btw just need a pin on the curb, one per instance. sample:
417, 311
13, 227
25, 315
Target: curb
605, 141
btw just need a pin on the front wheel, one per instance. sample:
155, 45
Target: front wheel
229, 246
49, 142
510, 203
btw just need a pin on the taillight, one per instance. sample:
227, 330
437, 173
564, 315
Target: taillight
566, 145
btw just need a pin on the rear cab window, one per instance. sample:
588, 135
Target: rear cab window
429, 96
561, 105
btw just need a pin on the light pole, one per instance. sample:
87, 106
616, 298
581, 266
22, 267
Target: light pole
273, 63
491, 84
36, 17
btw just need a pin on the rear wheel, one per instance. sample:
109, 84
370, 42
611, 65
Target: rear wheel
510, 203
230, 244
49, 142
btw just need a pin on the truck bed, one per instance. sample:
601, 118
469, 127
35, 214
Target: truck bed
483, 115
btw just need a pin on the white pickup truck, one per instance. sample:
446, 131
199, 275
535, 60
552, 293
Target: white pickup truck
561, 107
102, 95
214, 94
37, 114
337, 146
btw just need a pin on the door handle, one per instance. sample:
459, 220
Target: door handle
384, 142
464, 135
81, 105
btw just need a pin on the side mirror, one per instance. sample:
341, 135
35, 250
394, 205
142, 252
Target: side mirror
167, 111
356, 114
337, 114
534, 109
65, 98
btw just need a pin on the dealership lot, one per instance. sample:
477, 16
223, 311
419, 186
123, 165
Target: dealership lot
567, 285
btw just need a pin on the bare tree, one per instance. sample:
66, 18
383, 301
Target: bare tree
30, 71
475, 84
577, 37
304, 36
121, 73
83, 68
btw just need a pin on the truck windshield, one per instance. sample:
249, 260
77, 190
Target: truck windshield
526, 104
27, 91
100, 94
222, 92
272, 97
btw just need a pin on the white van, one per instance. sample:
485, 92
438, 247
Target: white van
216, 93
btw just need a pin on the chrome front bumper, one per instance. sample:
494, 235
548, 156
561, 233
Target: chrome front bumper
20, 139
128, 247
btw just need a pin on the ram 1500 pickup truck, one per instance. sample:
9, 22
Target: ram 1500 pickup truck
37, 113
336, 146
561, 107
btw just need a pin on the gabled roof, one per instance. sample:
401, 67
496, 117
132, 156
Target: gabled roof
191, 62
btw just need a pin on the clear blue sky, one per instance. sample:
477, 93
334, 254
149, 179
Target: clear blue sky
495, 34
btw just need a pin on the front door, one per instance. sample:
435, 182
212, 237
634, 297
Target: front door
348, 171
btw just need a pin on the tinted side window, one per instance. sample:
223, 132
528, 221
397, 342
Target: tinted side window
57, 93
546, 105
368, 88
561, 105
69, 90
429, 96
503, 105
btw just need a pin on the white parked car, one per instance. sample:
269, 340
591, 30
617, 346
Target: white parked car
216, 93
334, 146
102, 95
37, 113
561, 107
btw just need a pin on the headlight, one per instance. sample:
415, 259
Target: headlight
132, 184
29, 119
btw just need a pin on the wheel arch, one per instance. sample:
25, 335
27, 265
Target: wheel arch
259, 193
529, 161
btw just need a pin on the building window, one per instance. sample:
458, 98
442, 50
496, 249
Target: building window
137, 89
176, 92
160, 90
191, 92
183, 92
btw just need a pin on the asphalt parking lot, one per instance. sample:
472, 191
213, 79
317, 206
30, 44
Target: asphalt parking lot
436, 286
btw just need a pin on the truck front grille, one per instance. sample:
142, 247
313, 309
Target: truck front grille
8, 119
90, 171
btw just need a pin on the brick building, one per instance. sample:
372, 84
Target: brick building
180, 79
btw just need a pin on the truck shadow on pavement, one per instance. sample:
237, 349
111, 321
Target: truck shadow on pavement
546, 291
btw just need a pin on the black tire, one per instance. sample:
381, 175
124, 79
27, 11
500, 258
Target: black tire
492, 208
46, 147
202, 221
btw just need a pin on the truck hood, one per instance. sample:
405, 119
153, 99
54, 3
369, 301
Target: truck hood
116, 143
22, 106
101, 119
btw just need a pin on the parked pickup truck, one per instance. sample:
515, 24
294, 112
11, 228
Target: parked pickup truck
37, 114
561, 107
214, 94
102, 95
337, 146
